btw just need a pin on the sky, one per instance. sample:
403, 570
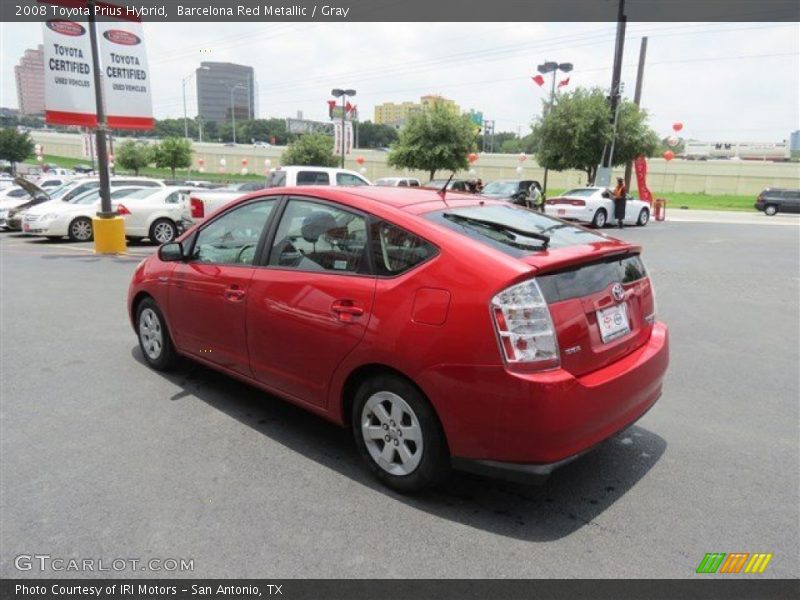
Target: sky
723, 81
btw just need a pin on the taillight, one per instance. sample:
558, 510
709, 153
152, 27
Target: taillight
525, 327
577, 202
123, 210
567, 201
198, 209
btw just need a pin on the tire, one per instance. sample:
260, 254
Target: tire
80, 230
417, 457
770, 210
600, 218
154, 338
163, 231
644, 218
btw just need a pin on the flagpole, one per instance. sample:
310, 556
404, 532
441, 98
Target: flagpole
100, 133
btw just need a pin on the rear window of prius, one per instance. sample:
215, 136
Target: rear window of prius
504, 227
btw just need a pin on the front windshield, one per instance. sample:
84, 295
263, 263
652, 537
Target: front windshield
500, 188
519, 219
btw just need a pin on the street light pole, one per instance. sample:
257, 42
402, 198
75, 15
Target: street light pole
183, 87
551, 67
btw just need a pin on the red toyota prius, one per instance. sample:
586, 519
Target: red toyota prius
445, 330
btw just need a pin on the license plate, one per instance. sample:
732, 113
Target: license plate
613, 322
562, 211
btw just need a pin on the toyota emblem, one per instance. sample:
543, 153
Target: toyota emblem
618, 292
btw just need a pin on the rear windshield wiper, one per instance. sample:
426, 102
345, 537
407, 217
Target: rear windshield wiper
545, 239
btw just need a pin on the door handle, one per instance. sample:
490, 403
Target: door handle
346, 310
234, 294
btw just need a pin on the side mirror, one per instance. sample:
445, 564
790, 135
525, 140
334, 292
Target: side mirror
171, 252
606, 194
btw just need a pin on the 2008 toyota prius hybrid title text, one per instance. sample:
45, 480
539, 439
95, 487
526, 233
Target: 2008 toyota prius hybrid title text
447, 331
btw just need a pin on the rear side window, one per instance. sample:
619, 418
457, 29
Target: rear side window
791, 195
318, 237
396, 250
413, 183
349, 179
80, 190
313, 178
139, 182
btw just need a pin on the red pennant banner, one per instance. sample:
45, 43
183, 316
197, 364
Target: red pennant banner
640, 164
563, 82
538, 79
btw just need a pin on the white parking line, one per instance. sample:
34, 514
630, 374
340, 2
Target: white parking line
731, 217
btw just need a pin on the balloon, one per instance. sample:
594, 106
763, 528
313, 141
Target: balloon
519, 169
472, 171
362, 170
669, 155
222, 162
267, 162
202, 169
40, 158
672, 141
244, 170
244, 162
360, 160
677, 126
472, 157
201, 161
522, 157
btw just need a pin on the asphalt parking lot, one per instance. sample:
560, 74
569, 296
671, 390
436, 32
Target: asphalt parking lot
102, 457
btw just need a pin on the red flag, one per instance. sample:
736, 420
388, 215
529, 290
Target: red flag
539, 80
348, 107
563, 82
640, 164
331, 104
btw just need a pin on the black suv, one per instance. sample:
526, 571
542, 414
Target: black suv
775, 200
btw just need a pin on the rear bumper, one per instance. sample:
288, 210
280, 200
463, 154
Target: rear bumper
567, 211
530, 424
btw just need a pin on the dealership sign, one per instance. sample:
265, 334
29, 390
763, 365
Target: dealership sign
69, 76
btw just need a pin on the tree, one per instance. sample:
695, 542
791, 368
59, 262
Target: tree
573, 134
173, 153
133, 156
434, 139
15, 146
375, 135
311, 150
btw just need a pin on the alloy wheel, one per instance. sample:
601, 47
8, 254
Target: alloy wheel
392, 433
164, 232
151, 333
81, 230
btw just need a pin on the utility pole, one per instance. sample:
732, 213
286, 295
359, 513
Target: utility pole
608, 151
637, 97
551, 67
343, 94
100, 133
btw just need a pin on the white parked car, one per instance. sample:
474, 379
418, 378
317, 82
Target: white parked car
398, 182
55, 220
157, 214
595, 206
208, 201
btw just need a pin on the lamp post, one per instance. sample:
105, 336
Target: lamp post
544, 69
183, 86
343, 94
233, 109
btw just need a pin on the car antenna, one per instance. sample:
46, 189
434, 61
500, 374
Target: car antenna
443, 191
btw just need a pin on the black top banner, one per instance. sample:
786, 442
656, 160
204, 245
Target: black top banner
406, 10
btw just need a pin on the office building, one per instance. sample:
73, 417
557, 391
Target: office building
396, 114
30, 82
226, 88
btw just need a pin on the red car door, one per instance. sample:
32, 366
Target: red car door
310, 307
209, 293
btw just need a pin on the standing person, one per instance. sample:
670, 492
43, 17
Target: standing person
535, 197
620, 193
479, 186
